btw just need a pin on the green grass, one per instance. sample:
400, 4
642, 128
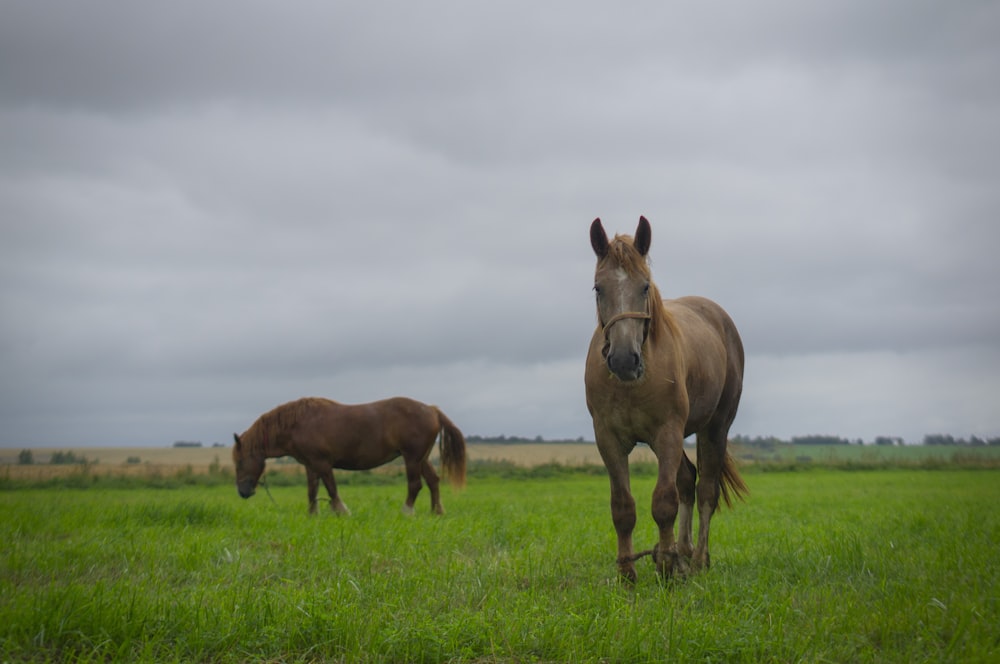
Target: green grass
820, 565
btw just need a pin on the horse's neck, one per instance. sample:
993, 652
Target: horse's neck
667, 343
667, 332
267, 443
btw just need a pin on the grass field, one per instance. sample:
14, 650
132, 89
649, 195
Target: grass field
818, 565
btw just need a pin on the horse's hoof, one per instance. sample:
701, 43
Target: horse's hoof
408, 510
702, 563
669, 563
626, 574
664, 563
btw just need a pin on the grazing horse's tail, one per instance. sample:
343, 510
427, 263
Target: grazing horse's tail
452, 445
731, 484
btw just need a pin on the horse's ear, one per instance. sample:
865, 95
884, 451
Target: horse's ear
237, 439
598, 238
643, 236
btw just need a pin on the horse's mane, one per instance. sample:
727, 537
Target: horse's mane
260, 437
622, 252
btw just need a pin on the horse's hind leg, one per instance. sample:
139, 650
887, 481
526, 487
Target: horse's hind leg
686, 477
434, 484
711, 457
413, 483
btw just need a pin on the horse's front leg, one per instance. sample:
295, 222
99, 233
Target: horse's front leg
312, 482
336, 504
615, 459
668, 447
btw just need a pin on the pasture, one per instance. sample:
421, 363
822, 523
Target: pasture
818, 565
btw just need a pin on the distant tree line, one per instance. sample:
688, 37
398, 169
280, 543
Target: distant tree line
973, 441
26, 458
767, 442
514, 440
772, 441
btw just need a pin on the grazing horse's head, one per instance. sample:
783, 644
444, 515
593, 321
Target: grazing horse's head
625, 293
249, 466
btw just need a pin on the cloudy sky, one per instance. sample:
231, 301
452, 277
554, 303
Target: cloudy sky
211, 208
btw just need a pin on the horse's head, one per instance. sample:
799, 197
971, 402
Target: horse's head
249, 466
623, 284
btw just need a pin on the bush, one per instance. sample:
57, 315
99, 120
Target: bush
68, 458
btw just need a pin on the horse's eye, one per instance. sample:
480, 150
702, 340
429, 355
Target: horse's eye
597, 289
645, 289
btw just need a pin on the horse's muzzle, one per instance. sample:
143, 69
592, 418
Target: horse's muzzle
626, 365
246, 490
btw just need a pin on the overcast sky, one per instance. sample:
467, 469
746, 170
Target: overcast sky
211, 208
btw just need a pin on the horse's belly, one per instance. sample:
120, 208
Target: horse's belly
366, 462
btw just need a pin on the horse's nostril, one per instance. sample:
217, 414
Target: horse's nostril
626, 365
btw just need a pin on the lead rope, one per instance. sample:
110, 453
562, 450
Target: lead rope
268, 491
263, 483
636, 556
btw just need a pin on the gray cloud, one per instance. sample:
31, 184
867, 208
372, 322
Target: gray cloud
210, 209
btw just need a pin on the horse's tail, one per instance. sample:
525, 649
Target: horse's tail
731, 484
452, 444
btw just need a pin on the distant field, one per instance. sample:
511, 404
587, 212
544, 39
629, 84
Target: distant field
872, 455
166, 461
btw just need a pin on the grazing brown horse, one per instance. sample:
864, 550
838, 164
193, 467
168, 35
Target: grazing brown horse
657, 372
323, 435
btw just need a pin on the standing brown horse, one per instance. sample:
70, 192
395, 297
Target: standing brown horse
657, 372
323, 435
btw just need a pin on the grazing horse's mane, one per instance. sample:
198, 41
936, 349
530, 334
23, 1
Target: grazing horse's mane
254, 440
622, 253
260, 437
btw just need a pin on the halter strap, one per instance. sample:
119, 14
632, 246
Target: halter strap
641, 315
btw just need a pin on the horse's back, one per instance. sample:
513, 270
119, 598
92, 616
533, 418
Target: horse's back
404, 418
403, 405
703, 321
364, 435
